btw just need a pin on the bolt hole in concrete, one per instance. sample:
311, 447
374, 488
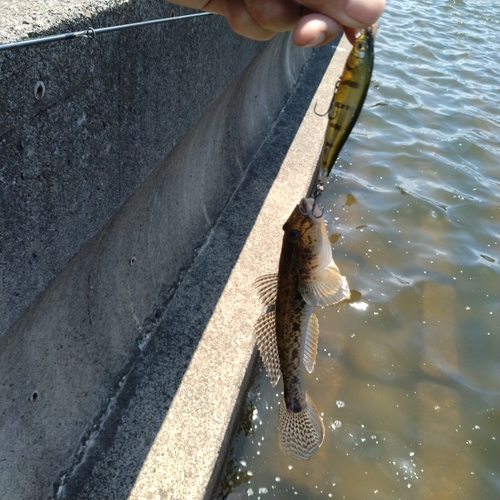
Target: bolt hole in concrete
415, 361
34, 397
39, 90
132, 261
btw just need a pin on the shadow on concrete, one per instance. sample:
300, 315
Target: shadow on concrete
111, 463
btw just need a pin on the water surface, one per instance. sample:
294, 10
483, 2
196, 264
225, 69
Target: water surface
408, 376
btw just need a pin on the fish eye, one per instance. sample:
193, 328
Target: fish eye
294, 234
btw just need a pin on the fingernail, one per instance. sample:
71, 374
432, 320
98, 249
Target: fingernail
317, 40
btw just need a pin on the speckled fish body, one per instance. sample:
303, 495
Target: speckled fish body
287, 333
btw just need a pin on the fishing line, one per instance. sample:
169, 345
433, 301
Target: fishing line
90, 33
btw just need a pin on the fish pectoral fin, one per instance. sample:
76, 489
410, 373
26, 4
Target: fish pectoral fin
325, 288
265, 338
311, 343
267, 288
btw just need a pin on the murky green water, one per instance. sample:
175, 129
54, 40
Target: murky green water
408, 377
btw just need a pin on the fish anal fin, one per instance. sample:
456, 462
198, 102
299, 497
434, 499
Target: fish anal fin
311, 343
265, 338
325, 288
302, 433
267, 288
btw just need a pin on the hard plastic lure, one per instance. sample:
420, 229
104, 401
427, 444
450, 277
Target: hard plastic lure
347, 102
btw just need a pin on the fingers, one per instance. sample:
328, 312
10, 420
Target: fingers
243, 23
322, 26
257, 19
274, 15
363, 12
313, 22
350, 13
350, 33
313, 30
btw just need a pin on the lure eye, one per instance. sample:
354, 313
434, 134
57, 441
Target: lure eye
293, 234
362, 46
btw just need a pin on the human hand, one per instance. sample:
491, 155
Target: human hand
313, 22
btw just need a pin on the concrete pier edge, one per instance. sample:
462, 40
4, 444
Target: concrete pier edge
294, 180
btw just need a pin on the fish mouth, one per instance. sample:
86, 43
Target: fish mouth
310, 208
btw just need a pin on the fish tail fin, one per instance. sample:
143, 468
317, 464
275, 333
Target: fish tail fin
300, 434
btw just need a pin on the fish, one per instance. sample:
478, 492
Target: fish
347, 101
286, 334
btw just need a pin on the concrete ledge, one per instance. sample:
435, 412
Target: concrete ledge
167, 435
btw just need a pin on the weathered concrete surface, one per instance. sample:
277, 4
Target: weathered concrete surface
168, 432
66, 362
112, 109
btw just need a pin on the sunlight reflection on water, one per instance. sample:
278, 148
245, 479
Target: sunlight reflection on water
415, 361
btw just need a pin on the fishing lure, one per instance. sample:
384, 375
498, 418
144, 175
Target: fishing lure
347, 102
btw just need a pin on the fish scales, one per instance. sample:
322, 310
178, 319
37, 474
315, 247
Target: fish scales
292, 317
287, 333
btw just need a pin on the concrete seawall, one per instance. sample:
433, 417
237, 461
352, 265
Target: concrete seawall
84, 122
98, 232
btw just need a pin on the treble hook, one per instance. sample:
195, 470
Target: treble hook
322, 210
321, 114
363, 31
317, 192
337, 84
308, 211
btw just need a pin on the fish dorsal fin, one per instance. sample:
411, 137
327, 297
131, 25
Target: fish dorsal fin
311, 343
325, 288
267, 288
265, 338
